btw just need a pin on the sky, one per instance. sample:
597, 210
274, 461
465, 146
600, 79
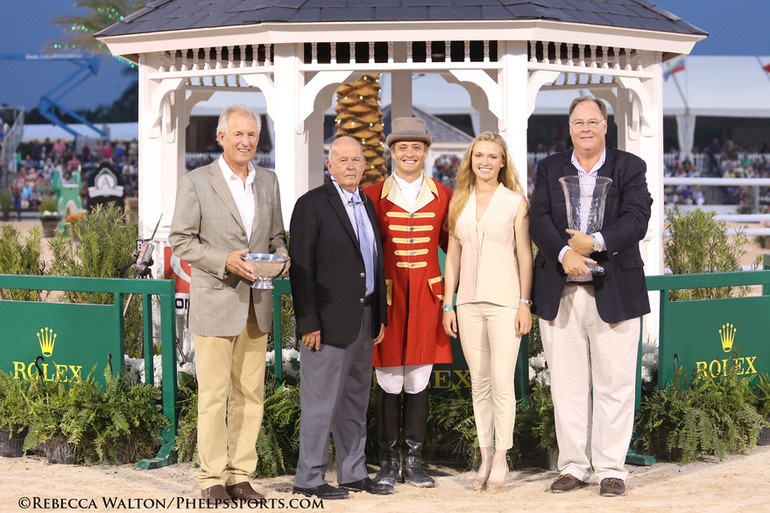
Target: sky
738, 27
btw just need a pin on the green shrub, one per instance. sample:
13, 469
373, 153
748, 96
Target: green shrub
452, 427
14, 413
698, 244
702, 416
116, 425
6, 202
762, 395
48, 204
535, 430
20, 255
97, 245
278, 442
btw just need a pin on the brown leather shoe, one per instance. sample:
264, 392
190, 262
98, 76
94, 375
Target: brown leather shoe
612, 487
566, 483
216, 492
244, 491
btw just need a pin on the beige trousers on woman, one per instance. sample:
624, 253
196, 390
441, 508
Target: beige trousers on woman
490, 345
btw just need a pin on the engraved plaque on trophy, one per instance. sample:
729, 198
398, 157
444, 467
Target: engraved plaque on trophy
585, 208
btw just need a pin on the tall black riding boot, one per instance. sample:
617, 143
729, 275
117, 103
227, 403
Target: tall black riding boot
415, 423
388, 429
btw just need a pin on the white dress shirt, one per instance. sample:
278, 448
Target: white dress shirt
409, 190
242, 193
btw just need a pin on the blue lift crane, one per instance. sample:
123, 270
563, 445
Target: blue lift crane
50, 101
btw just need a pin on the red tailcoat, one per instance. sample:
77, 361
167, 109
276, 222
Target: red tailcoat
415, 288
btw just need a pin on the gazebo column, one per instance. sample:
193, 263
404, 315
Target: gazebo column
162, 120
641, 105
291, 143
314, 127
515, 116
400, 87
316, 98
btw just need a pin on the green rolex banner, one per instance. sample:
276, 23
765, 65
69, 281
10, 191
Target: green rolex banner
61, 340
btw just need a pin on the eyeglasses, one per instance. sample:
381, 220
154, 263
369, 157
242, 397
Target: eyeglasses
591, 123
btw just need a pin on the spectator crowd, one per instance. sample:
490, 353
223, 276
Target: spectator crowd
37, 161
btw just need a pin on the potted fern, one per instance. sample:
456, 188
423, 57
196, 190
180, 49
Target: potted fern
49, 216
14, 416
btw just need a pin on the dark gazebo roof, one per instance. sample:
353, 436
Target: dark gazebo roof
168, 15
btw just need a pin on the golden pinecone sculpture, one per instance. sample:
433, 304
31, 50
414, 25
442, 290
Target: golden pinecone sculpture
359, 116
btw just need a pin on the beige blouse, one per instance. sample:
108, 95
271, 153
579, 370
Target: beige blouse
488, 268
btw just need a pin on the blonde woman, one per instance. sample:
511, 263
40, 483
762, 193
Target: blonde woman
490, 255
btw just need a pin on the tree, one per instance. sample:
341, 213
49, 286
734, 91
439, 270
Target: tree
359, 116
101, 14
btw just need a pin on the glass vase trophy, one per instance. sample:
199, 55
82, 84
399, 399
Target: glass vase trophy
592, 205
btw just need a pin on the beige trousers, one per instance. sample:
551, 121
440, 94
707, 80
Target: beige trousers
593, 384
231, 388
490, 345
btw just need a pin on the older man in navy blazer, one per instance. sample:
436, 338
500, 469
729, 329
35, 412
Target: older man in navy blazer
589, 323
338, 286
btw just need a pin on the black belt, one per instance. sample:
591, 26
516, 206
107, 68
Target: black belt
583, 283
368, 300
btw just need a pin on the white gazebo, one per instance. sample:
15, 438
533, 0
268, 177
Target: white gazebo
297, 52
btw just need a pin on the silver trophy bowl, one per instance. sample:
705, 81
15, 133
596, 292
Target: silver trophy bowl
266, 266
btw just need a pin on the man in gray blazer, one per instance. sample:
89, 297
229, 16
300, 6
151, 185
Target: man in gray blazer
223, 211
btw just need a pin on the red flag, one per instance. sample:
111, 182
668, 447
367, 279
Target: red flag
766, 67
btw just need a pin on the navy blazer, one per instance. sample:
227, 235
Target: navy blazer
327, 270
621, 293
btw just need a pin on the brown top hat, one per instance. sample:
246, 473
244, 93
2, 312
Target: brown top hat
408, 129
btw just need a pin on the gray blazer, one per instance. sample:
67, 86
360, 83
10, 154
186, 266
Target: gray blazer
206, 228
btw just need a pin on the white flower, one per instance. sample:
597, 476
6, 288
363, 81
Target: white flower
538, 362
544, 378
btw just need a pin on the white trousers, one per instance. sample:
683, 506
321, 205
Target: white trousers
412, 379
490, 345
593, 384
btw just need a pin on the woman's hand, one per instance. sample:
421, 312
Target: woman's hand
450, 323
523, 320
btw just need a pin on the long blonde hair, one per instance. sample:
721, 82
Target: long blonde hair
466, 178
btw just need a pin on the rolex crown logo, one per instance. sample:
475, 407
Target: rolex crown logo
47, 339
727, 335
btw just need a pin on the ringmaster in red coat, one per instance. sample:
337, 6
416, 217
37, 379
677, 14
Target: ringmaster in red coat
411, 210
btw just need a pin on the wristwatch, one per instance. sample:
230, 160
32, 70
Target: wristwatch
527, 302
597, 243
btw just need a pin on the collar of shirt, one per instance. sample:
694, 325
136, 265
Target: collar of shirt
409, 190
230, 175
593, 170
347, 196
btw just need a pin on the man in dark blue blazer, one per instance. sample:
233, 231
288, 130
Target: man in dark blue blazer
338, 286
589, 323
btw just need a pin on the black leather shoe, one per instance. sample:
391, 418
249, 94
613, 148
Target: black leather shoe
324, 491
368, 486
